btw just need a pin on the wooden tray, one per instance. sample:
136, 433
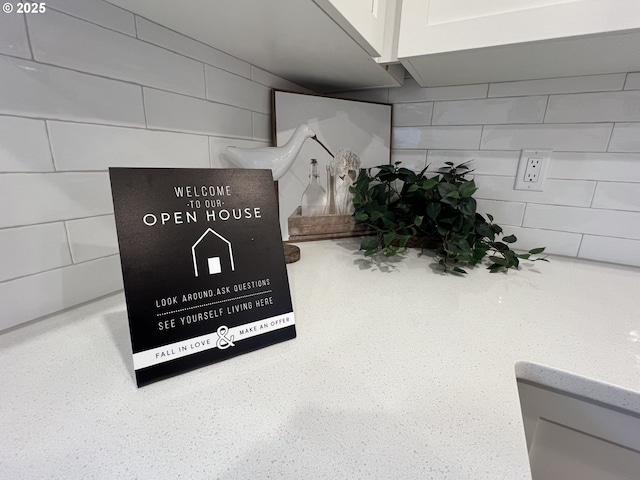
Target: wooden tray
323, 227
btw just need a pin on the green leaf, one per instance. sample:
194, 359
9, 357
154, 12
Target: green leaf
361, 217
536, 251
386, 222
499, 246
369, 243
375, 215
445, 189
404, 239
453, 194
433, 210
496, 228
459, 270
499, 260
449, 200
509, 239
468, 206
418, 220
490, 217
467, 189
485, 230
388, 238
429, 183
524, 255
442, 230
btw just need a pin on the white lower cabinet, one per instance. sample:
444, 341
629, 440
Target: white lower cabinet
570, 437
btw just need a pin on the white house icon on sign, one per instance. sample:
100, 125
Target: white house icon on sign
212, 253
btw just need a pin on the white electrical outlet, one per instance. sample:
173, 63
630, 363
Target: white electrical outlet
532, 170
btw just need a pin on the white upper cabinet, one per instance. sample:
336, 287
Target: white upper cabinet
295, 39
363, 20
448, 42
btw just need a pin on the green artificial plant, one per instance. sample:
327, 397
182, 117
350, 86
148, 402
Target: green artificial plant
404, 207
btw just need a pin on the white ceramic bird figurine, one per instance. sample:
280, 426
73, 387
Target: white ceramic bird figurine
278, 159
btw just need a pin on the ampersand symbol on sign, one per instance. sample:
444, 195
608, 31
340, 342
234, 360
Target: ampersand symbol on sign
223, 342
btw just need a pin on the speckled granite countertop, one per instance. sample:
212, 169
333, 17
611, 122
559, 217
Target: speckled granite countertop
397, 372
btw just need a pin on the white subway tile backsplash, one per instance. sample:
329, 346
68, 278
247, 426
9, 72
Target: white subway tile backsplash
613, 223
608, 167
170, 111
557, 243
617, 196
633, 81
63, 40
412, 114
96, 147
13, 35
482, 162
29, 250
588, 83
44, 293
608, 249
466, 137
625, 138
24, 146
225, 87
163, 37
414, 160
594, 107
49, 219
99, 12
44, 91
412, 92
91, 238
30, 198
217, 147
490, 111
570, 137
504, 213
261, 124
558, 192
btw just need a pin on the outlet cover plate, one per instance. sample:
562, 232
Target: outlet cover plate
532, 170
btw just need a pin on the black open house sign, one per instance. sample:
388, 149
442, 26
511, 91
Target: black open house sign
203, 266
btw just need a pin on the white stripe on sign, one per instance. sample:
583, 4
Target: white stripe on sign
223, 338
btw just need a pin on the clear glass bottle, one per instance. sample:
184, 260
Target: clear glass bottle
330, 209
314, 197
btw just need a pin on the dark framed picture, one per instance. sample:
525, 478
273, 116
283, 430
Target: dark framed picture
363, 128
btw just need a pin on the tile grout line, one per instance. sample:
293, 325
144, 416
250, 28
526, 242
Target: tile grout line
51, 222
610, 137
132, 127
144, 109
53, 158
130, 82
524, 212
582, 235
21, 277
68, 237
62, 12
26, 28
162, 47
546, 109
